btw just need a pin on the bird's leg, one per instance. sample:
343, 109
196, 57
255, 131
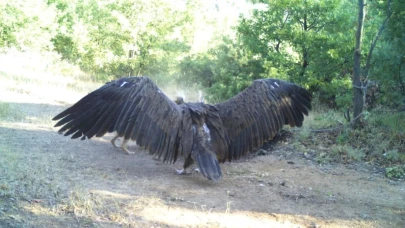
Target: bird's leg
124, 147
189, 161
184, 171
115, 139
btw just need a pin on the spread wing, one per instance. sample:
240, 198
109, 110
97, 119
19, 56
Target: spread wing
135, 108
255, 115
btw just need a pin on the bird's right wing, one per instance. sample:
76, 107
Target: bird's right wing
256, 114
132, 106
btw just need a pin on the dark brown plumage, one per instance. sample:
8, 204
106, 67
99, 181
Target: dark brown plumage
136, 109
179, 100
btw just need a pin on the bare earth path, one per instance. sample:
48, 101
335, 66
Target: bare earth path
73, 183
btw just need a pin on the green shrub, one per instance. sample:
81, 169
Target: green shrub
395, 172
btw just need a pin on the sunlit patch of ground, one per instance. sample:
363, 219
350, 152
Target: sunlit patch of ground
125, 210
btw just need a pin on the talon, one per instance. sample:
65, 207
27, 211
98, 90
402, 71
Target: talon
128, 151
124, 147
180, 171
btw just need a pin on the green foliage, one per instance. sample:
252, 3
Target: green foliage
118, 38
346, 152
26, 24
381, 137
296, 38
392, 121
395, 172
197, 69
308, 42
226, 69
380, 141
392, 155
388, 74
234, 70
10, 18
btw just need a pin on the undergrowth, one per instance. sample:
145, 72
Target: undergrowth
380, 140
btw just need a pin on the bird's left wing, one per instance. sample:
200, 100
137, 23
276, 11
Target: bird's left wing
135, 108
255, 115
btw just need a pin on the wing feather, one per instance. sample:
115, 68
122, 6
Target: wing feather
186, 131
255, 115
107, 114
109, 123
135, 108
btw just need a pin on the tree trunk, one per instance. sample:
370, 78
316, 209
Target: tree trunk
305, 54
358, 100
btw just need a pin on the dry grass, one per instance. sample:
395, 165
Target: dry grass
32, 178
10, 113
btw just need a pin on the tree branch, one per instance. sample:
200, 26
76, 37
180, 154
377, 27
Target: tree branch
374, 42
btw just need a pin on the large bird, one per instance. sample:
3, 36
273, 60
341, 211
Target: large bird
136, 109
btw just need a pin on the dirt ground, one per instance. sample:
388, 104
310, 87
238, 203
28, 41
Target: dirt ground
94, 184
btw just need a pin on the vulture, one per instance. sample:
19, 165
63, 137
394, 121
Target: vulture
136, 109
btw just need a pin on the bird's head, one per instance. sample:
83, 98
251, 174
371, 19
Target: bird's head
179, 100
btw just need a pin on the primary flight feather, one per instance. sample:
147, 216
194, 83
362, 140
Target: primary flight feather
136, 109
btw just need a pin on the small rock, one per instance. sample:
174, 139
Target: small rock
230, 193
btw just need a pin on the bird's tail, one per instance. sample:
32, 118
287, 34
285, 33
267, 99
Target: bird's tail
208, 164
